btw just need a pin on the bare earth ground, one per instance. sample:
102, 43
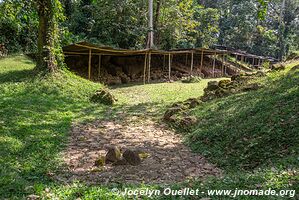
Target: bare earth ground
168, 161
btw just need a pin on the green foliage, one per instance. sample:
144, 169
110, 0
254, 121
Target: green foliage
124, 24
208, 29
253, 25
242, 28
18, 26
263, 6
118, 23
266, 65
177, 24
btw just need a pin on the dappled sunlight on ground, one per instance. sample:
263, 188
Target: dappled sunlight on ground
169, 160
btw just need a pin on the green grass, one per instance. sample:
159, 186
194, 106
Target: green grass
251, 129
253, 136
154, 98
35, 116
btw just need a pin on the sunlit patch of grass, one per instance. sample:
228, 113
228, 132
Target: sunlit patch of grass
162, 93
155, 98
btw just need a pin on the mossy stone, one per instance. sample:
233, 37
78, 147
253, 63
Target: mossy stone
103, 96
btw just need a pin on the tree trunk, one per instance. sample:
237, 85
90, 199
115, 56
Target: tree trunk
46, 60
150, 25
156, 22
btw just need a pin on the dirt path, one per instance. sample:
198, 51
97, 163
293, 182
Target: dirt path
168, 160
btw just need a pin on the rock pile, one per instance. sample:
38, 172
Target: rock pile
178, 112
119, 78
278, 67
296, 67
116, 157
191, 79
238, 83
103, 96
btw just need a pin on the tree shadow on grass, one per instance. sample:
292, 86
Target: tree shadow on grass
136, 84
16, 76
34, 125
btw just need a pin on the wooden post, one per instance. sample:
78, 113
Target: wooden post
144, 69
225, 67
186, 59
169, 66
259, 62
191, 68
253, 62
89, 65
201, 61
99, 69
222, 69
149, 67
164, 62
214, 63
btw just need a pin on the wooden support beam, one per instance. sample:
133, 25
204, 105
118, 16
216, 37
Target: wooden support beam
214, 63
259, 63
99, 69
144, 69
89, 64
149, 67
201, 61
191, 67
225, 70
186, 59
164, 61
222, 69
169, 66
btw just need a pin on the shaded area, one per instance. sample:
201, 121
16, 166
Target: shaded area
35, 116
16, 76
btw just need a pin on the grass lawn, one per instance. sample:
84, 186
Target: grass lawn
36, 114
253, 136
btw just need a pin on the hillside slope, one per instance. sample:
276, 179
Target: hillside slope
252, 129
253, 136
35, 116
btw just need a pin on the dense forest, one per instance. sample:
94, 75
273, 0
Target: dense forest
268, 28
